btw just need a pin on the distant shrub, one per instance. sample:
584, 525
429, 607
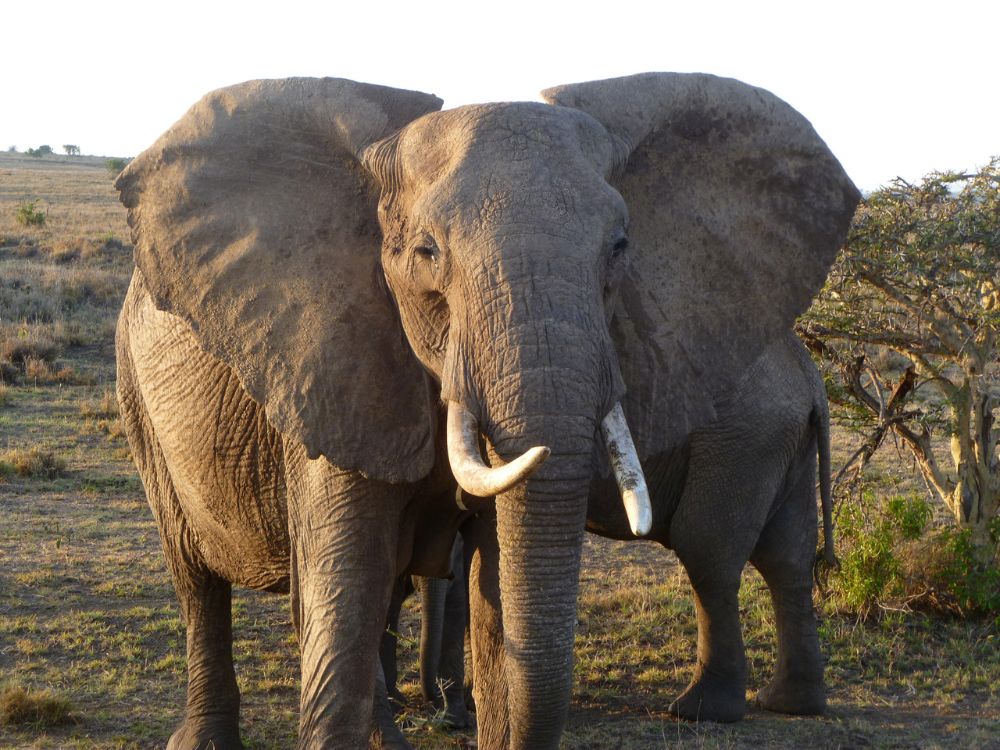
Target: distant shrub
28, 214
71, 150
115, 165
41, 372
28, 342
12, 149
40, 708
44, 150
9, 372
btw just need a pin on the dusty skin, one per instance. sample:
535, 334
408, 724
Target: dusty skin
283, 409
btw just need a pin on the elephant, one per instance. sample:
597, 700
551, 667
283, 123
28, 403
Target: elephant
444, 615
743, 488
347, 301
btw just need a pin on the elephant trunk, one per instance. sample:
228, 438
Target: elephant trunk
557, 398
537, 369
540, 528
433, 596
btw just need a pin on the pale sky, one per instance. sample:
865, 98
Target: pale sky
895, 88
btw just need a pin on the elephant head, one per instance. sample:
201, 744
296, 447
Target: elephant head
355, 255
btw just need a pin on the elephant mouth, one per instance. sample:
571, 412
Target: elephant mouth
476, 478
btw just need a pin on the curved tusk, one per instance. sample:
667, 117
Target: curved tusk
628, 471
474, 476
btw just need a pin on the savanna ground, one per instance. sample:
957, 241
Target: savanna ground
91, 644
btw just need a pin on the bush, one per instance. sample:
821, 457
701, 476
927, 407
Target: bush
890, 559
30, 342
105, 408
28, 214
973, 585
871, 570
115, 165
40, 151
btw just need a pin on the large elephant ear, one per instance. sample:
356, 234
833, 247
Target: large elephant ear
737, 209
254, 222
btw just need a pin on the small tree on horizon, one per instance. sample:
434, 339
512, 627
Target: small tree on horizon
71, 150
43, 150
909, 320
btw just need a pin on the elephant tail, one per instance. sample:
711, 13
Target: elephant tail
821, 423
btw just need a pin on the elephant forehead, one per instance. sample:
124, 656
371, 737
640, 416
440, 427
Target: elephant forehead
525, 140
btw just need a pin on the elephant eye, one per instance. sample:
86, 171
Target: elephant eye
619, 247
428, 250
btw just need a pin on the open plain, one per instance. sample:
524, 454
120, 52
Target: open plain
89, 627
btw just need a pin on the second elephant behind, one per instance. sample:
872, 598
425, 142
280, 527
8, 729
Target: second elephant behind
743, 489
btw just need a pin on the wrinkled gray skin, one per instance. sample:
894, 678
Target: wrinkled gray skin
283, 406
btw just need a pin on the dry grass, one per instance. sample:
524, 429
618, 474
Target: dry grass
31, 462
106, 407
36, 708
76, 194
87, 610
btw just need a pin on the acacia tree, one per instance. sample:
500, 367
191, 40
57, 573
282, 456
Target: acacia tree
920, 276
71, 150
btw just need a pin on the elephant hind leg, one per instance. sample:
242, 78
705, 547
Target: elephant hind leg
213, 699
717, 691
784, 556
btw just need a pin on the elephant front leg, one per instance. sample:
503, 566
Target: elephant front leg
784, 555
344, 530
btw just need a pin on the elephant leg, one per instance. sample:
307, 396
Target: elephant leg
452, 665
717, 691
390, 637
714, 558
344, 531
433, 598
213, 698
385, 734
784, 556
486, 633
734, 476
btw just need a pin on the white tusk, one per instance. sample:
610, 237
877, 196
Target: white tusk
628, 471
474, 476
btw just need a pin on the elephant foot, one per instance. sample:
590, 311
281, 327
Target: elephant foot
457, 717
786, 696
206, 734
708, 699
388, 738
397, 702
